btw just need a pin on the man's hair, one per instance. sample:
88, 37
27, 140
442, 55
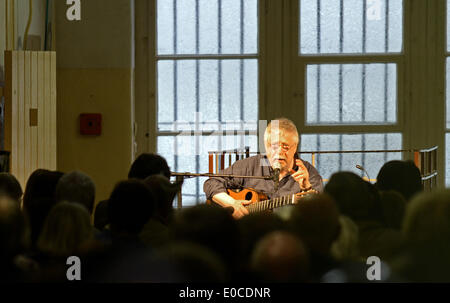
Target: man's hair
283, 124
76, 187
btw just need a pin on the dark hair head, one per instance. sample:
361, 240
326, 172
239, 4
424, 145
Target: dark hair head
354, 197
39, 198
315, 219
76, 187
401, 176
149, 164
10, 186
164, 192
211, 226
130, 206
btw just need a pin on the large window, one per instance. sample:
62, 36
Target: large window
349, 56
207, 83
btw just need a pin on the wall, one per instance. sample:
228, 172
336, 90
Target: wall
95, 75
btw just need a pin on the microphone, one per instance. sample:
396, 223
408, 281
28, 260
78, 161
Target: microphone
276, 174
364, 170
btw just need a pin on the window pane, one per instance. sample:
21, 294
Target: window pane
191, 155
224, 91
327, 164
351, 93
350, 26
448, 92
207, 26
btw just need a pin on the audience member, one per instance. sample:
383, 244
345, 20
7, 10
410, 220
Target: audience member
156, 230
402, 176
360, 201
316, 222
39, 198
346, 246
393, 205
280, 257
427, 230
76, 187
145, 165
213, 227
10, 187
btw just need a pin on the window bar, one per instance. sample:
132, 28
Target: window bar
197, 99
175, 84
363, 84
386, 82
241, 70
341, 50
219, 70
318, 82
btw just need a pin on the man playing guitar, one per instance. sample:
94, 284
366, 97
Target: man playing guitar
294, 175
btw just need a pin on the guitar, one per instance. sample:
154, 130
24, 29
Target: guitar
260, 201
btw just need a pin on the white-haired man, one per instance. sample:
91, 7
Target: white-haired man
295, 175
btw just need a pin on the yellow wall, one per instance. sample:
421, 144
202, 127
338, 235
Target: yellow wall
95, 75
105, 158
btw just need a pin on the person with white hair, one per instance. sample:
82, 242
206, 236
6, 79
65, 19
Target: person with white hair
281, 141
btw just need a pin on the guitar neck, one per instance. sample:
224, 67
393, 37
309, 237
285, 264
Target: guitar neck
271, 204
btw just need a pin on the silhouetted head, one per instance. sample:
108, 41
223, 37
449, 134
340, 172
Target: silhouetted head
10, 187
354, 197
164, 192
211, 226
316, 221
402, 176
39, 198
148, 164
130, 206
76, 187
280, 257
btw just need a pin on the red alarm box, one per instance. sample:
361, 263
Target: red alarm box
91, 124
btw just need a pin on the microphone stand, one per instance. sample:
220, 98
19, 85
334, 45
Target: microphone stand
179, 177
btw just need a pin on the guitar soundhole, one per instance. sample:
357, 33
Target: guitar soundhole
248, 196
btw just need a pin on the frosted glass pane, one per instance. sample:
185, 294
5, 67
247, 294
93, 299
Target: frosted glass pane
190, 154
250, 26
207, 27
165, 92
448, 92
351, 93
215, 93
231, 26
164, 25
327, 164
351, 26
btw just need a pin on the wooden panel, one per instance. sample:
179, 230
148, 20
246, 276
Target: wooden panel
40, 105
47, 115
53, 118
20, 131
26, 113
30, 111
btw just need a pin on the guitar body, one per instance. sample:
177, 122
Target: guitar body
248, 194
260, 202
